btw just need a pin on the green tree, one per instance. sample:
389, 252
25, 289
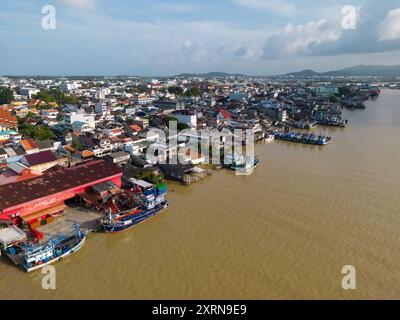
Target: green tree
6, 96
182, 126
345, 91
77, 145
72, 99
193, 92
39, 133
175, 90
45, 96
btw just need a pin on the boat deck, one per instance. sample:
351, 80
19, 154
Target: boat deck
16, 259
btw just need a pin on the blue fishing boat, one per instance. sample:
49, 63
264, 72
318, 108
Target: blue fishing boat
33, 256
152, 202
302, 138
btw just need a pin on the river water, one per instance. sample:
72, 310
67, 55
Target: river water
284, 232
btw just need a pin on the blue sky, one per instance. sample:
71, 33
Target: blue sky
163, 37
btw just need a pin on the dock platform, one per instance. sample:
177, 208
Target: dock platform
89, 220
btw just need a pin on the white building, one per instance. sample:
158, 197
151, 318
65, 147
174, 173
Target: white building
72, 117
186, 117
28, 92
82, 127
143, 99
102, 93
69, 86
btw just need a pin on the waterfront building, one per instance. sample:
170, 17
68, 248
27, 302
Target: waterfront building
38, 198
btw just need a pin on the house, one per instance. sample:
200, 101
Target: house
50, 114
29, 146
186, 117
6, 135
71, 117
7, 120
28, 92
113, 132
82, 127
151, 135
40, 161
45, 145
142, 99
194, 157
135, 129
15, 139
223, 116
102, 108
183, 173
3, 155
119, 158
168, 105
13, 155
36, 103
102, 147
17, 172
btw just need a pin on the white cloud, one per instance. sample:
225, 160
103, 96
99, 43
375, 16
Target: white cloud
80, 4
301, 39
389, 28
276, 6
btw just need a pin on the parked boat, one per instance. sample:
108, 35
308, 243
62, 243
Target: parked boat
152, 201
303, 138
333, 121
303, 124
269, 138
33, 256
240, 163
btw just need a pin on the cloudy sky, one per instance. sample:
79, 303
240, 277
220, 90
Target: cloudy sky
167, 37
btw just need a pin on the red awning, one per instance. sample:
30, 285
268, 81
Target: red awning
4, 217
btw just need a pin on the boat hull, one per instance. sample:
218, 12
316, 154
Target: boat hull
76, 248
116, 227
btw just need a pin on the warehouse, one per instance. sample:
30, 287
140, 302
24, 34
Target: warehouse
41, 197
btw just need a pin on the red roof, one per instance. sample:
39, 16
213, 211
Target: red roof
53, 182
136, 127
7, 119
225, 113
29, 144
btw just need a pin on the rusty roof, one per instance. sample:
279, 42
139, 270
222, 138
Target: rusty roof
40, 158
53, 182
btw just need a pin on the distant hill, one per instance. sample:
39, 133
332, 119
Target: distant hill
357, 71
209, 75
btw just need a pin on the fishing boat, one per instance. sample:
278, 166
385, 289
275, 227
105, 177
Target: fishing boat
33, 256
269, 138
152, 202
303, 138
334, 121
240, 163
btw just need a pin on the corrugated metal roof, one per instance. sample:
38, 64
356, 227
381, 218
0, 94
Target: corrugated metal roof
53, 182
40, 157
